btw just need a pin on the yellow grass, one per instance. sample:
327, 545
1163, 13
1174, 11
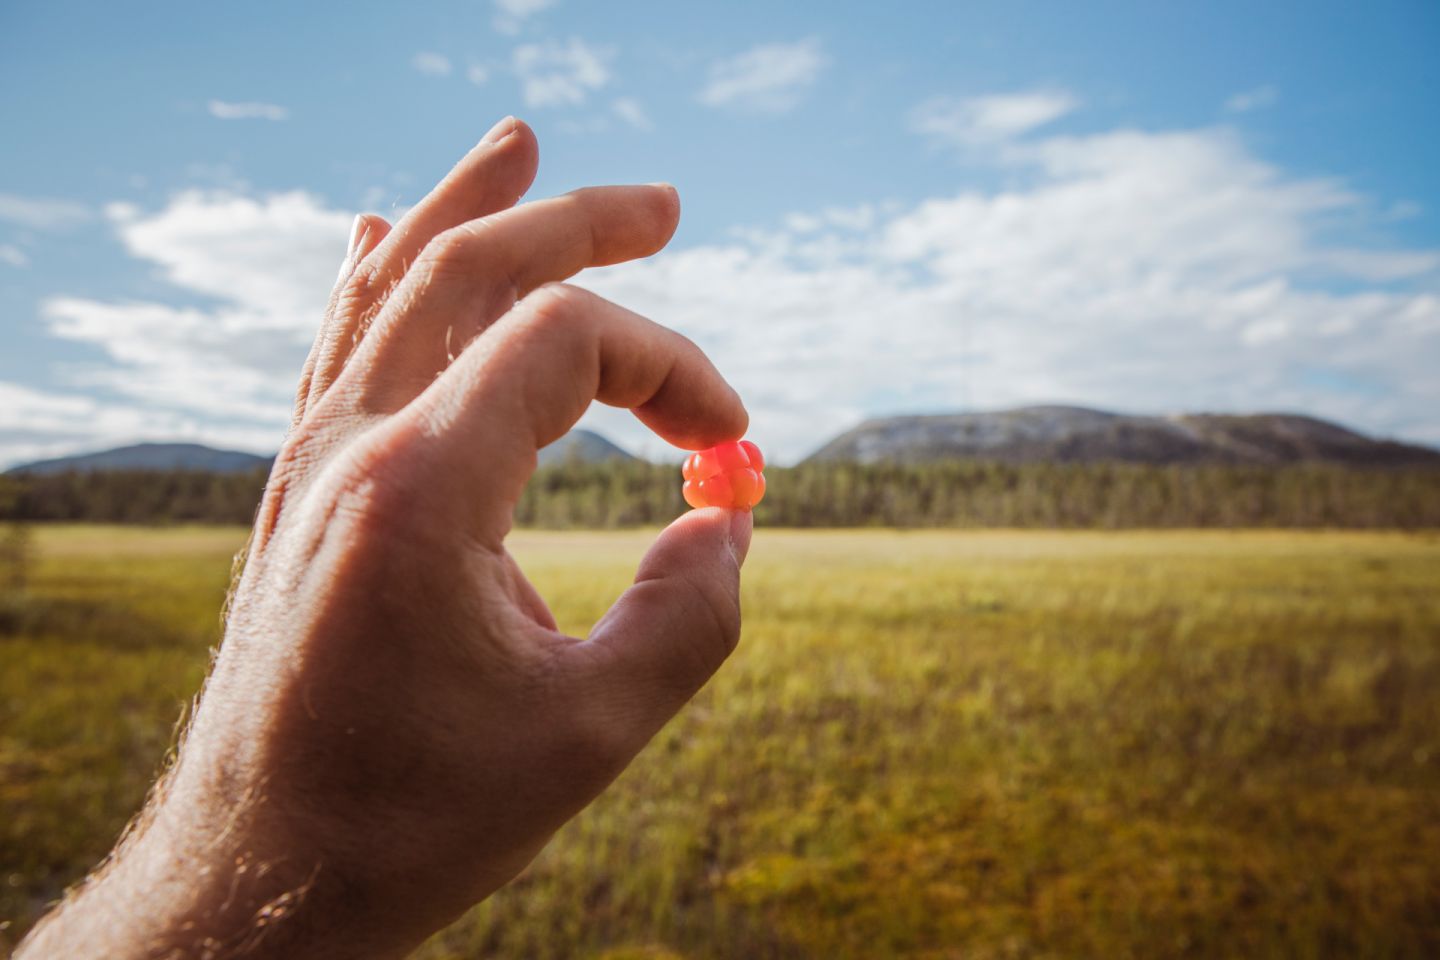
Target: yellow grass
929, 745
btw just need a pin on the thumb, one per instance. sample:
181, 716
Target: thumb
669, 633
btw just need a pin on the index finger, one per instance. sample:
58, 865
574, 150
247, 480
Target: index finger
528, 378
475, 273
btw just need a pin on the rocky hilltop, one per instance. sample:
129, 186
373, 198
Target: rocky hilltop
1078, 435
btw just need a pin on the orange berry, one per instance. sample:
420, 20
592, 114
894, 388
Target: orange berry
726, 475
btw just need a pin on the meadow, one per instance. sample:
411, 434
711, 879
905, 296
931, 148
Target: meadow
929, 744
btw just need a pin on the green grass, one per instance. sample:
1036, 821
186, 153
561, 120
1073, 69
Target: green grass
991, 744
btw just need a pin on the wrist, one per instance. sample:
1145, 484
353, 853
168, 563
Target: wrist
205, 876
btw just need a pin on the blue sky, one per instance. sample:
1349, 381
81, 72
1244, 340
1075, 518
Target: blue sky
1144, 206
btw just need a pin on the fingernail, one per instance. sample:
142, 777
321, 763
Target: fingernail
358, 230
500, 131
742, 526
355, 235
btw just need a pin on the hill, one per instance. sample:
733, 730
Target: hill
1057, 434
577, 446
150, 456
582, 446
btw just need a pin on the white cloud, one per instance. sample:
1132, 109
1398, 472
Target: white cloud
1133, 270
431, 64
37, 424
1257, 99
265, 264
183, 360
477, 74
630, 110
510, 15
249, 110
1136, 271
554, 74
769, 78
980, 121
42, 213
262, 254
14, 256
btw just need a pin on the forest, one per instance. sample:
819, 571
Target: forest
958, 494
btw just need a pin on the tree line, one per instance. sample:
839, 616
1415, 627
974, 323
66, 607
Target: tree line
133, 496
951, 494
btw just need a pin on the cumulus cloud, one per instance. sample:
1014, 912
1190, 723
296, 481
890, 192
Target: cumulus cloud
13, 256
554, 74
478, 74
36, 424
769, 78
1136, 271
262, 265
431, 64
980, 121
510, 15
1256, 99
42, 213
249, 110
259, 253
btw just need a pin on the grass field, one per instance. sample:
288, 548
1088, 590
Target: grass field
929, 745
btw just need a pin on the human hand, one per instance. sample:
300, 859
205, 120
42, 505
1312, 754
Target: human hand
394, 726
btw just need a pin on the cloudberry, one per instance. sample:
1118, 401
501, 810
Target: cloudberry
727, 475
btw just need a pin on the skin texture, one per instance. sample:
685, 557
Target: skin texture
394, 727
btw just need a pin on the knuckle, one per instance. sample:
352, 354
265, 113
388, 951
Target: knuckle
375, 480
356, 305
552, 316
456, 248
360, 289
361, 500
299, 456
684, 344
558, 304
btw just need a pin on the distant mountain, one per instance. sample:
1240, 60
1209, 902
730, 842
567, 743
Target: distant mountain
581, 446
152, 456
1077, 435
